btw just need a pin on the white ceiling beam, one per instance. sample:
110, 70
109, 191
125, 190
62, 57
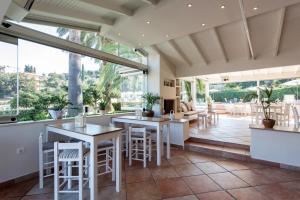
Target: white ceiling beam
68, 14
179, 52
153, 2
49, 40
245, 41
61, 23
221, 46
162, 54
279, 31
109, 6
197, 47
4, 5
245, 23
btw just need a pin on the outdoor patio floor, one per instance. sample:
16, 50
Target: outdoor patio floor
233, 129
186, 176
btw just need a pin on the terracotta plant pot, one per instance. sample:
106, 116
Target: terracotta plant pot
148, 113
268, 123
56, 114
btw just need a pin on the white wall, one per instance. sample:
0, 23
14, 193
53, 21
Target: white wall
153, 84
167, 71
159, 70
25, 135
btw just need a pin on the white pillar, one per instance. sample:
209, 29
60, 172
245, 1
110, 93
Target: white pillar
194, 91
257, 88
206, 89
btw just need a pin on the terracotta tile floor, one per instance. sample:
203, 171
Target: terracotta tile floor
187, 176
234, 129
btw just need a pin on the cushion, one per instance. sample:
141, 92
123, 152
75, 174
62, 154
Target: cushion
183, 107
188, 105
105, 144
48, 146
189, 113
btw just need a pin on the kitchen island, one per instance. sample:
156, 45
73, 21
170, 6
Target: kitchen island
278, 145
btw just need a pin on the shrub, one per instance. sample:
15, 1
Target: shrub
278, 93
117, 106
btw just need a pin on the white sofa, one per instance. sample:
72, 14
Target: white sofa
189, 111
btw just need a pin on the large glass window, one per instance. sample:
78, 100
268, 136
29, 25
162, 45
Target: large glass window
92, 40
53, 79
133, 87
8, 77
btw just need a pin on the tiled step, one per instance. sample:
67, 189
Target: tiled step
219, 143
218, 150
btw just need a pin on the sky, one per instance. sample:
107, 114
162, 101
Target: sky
45, 59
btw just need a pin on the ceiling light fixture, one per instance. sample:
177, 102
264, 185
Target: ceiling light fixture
167, 36
148, 22
119, 34
255, 8
222, 6
143, 35
203, 24
189, 5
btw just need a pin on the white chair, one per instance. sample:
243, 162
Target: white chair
124, 139
106, 154
139, 145
255, 113
296, 117
283, 118
71, 155
46, 158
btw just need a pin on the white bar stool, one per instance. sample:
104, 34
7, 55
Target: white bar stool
46, 157
69, 153
106, 152
125, 140
139, 145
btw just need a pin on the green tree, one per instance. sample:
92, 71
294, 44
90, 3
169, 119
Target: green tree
109, 83
29, 69
188, 89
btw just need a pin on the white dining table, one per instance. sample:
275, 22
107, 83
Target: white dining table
158, 123
93, 134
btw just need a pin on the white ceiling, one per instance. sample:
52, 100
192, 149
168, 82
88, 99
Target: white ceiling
219, 46
253, 75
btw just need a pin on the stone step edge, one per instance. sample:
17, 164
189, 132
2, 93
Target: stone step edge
216, 152
220, 143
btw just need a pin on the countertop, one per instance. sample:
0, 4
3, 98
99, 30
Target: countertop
276, 128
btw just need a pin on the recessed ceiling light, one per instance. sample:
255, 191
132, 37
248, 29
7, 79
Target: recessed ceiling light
167, 36
222, 6
203, 24
119, 34
255, 8
189, 5
148, 22
143, 35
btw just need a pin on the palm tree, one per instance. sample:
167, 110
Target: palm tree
74, 80
92, 40
109, 80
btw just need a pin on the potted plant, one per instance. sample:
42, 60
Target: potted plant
209, 103
59, 103
150, 100
102, 107
265, 100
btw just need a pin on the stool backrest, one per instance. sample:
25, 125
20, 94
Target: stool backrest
296, 117
287, 107
76, 146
